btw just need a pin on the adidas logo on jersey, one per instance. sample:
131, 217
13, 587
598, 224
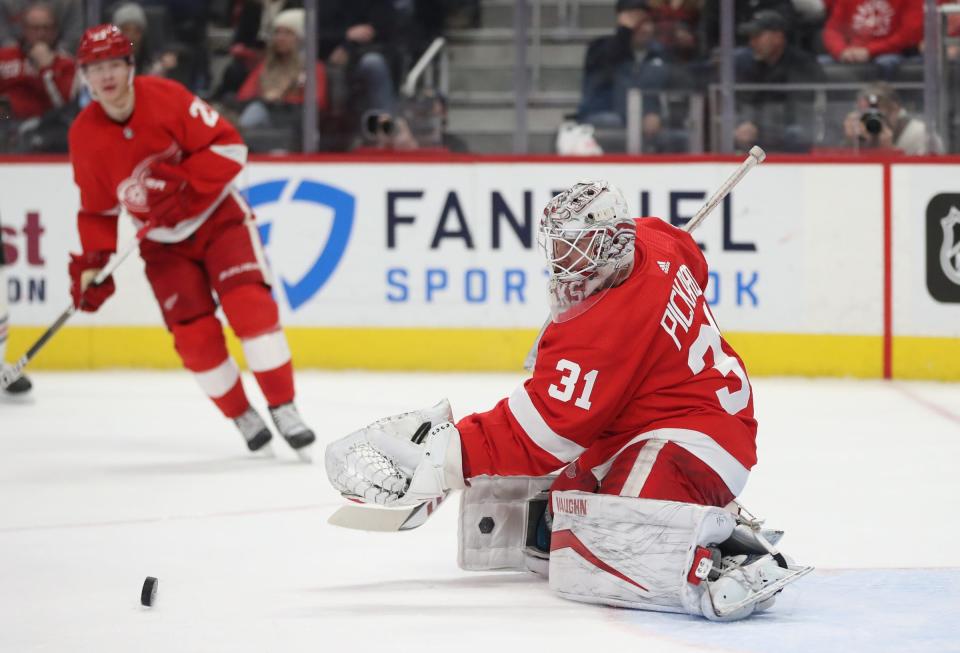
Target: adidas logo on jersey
664, 265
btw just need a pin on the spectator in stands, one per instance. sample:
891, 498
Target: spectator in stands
631, 57
881, 31
881, 122
743, 12
132, 21
356, 42
677, 26
253, 28
420, 125
777, 120
275, 87
68, 14
184, 33
36, 84
952, 46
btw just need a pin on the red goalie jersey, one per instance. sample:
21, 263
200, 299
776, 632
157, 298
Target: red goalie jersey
111, 160
646, 362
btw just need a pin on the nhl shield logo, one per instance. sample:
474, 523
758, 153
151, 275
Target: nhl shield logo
943, 247
950, 249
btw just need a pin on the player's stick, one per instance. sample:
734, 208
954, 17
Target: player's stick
754, 158
10, 374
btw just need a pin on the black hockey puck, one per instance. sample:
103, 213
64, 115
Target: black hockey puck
149, 591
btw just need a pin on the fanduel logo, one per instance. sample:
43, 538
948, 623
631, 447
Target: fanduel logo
343, 205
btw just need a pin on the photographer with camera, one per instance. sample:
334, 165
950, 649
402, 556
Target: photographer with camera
881, 122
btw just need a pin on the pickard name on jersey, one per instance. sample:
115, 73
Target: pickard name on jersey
646, 357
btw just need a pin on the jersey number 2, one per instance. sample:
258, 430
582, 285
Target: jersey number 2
206, 113
709, 339
568, 383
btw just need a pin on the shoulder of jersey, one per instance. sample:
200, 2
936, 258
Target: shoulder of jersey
87, 118
660, 243
151, 84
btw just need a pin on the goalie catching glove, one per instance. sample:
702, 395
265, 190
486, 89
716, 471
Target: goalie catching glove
401, 460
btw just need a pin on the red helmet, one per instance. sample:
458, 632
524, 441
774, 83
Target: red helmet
103, 42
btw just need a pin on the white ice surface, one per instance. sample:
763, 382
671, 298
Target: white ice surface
106, 478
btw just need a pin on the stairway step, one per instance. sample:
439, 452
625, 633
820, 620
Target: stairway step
500, 53
499, 14
492, 120
502, 142
486, 78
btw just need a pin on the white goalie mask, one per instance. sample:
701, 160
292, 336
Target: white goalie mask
588, 238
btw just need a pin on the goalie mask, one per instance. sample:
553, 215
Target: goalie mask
588, 238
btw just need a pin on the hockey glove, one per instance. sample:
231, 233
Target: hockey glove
400, 460
83, 269
168, 194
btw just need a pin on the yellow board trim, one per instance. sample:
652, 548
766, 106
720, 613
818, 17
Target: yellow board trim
926, 358
487, 350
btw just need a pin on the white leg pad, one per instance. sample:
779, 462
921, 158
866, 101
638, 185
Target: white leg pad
493, 521
629, 552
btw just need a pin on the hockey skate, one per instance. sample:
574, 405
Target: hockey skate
290, 425
19, 389
747, 584
254, 430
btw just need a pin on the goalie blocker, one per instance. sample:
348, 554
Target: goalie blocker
623, 551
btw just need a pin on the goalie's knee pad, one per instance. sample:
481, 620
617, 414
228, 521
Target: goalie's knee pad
499, 518
635, 553
661, 555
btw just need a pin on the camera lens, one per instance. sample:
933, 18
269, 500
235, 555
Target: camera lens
872, 121
371, 124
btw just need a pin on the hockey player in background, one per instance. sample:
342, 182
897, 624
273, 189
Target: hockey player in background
640, 400
21, 386
148, 146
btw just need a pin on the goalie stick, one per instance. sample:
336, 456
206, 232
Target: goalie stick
754, 158
362, 517
10, 374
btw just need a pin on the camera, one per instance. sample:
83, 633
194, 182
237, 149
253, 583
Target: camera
872, 118
375, 124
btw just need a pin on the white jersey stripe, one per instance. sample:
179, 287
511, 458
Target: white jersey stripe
236, 152
701, 445
218, 381
538, 430
642, 467
266, 352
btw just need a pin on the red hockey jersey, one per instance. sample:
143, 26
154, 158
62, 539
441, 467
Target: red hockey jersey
33, 92
880, 26
647, 361
111, 160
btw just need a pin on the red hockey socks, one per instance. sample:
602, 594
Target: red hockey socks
203, 351
255, 319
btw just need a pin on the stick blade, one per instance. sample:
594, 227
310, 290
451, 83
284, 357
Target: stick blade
384, 520
365, 518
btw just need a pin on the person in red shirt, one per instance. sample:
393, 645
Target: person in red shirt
148, 147
34, 76
859, 31
274, 89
